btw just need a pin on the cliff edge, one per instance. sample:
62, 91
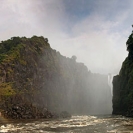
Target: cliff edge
36, 80
123, 84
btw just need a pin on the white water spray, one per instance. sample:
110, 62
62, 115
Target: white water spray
110, 79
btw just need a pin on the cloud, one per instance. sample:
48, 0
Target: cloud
32, 17
98, 42
94, 31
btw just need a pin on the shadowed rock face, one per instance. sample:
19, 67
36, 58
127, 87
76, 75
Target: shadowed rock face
123, 85
116, 95
43, 78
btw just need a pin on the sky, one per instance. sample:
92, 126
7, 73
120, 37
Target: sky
95, 31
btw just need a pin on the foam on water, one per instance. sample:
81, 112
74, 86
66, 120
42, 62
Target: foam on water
77, 124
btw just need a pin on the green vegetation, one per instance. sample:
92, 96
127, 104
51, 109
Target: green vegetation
6, 89
31, 70
129, 43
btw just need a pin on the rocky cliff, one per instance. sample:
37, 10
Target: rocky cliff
34, 78
123, 84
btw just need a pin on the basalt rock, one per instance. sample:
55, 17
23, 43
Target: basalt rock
21, 109
123, 85
36, 80
65, 114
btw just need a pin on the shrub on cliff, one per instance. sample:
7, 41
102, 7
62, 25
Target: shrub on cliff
129, 43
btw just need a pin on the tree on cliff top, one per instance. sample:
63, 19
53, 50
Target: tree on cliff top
74, 58
129, 43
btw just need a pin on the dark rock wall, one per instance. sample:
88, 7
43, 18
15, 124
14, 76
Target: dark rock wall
123, 85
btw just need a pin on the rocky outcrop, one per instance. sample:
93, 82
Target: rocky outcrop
42, 78
116, 95
123, 85
21, 109
15, 107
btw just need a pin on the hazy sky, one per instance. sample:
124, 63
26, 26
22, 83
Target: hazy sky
95, 31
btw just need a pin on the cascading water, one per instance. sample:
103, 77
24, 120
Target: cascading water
110, 79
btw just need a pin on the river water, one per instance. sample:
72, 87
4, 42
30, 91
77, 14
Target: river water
77, 124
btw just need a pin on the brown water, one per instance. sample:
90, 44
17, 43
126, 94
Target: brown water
77, 124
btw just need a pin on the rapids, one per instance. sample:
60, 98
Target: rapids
77, 124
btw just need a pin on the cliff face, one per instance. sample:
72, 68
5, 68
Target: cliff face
123, 85
31, 72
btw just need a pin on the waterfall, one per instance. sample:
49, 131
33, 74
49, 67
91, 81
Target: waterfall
110, 79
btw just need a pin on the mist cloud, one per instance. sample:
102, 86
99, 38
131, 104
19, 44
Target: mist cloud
96, 32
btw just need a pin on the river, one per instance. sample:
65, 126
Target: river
77, 124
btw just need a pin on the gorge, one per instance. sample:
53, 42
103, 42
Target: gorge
43, 91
